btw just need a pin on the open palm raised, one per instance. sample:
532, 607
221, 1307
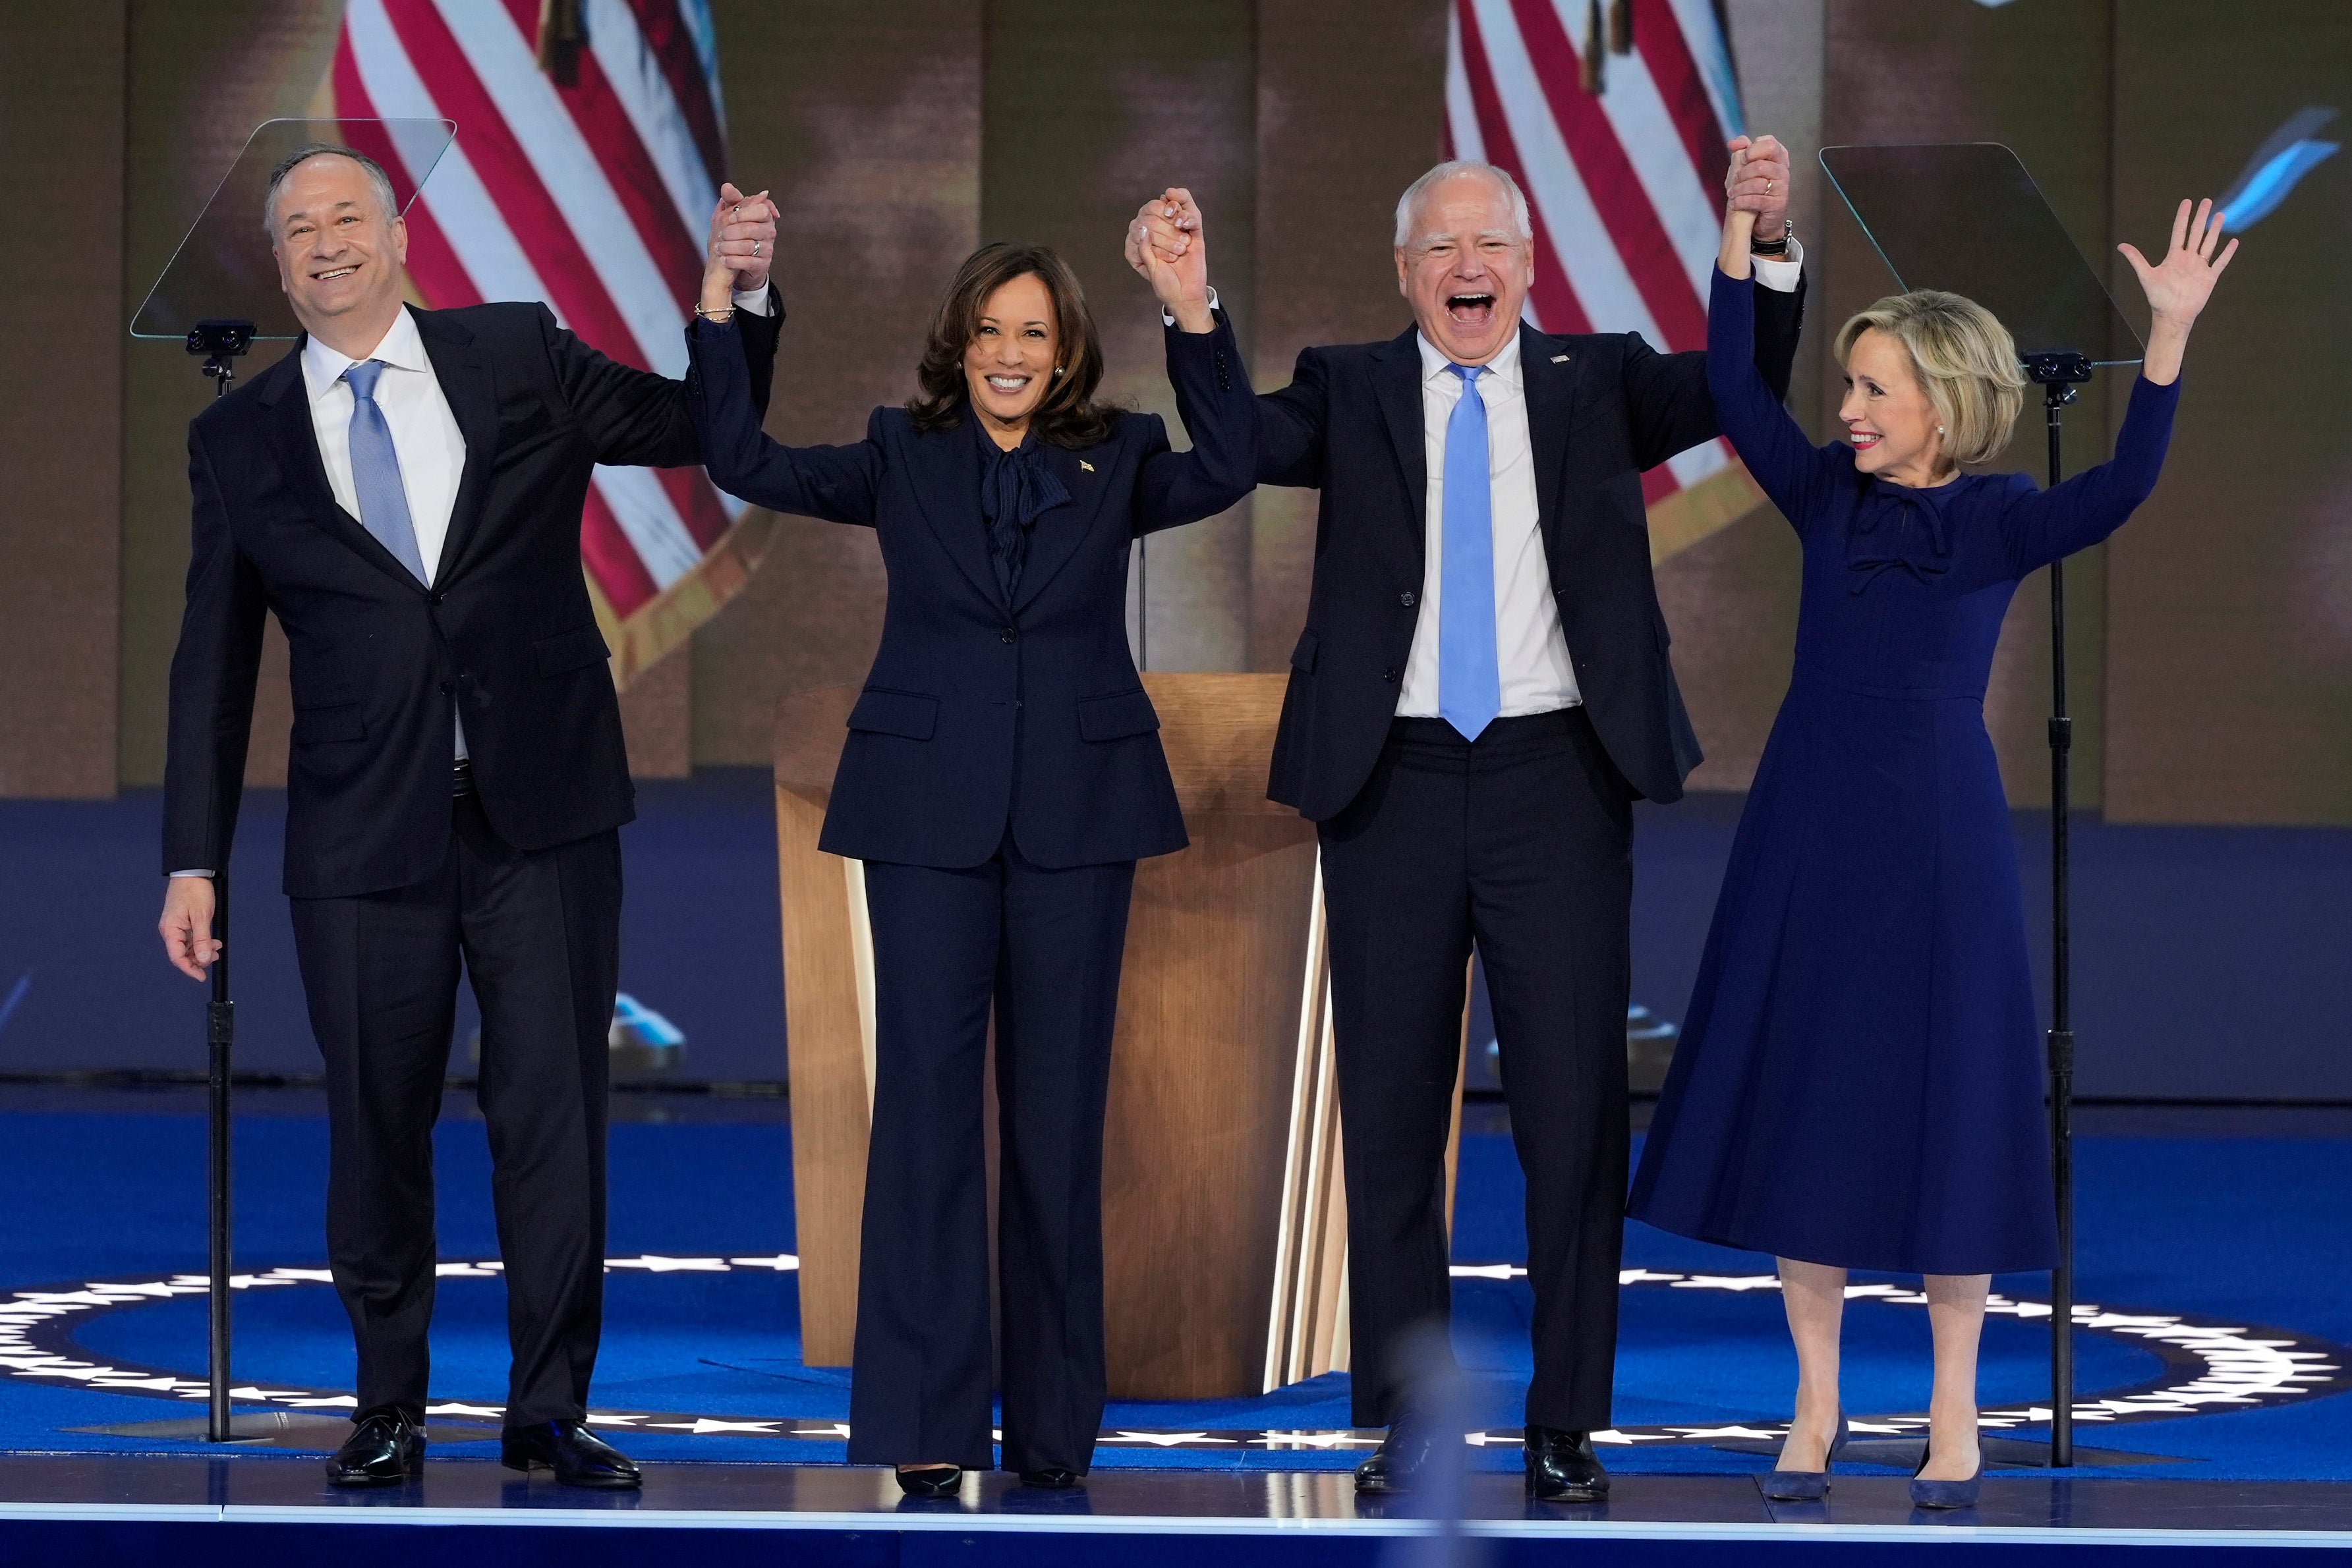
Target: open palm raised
2178, 287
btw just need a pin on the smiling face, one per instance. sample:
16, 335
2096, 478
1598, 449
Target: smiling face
340, 254
1009, 363
1464, 269
1890, 421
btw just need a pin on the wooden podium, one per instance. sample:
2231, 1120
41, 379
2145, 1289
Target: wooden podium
1224, 1227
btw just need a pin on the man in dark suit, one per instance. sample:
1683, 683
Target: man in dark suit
404, 491
1481, 692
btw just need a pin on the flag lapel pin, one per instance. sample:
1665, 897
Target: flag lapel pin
1559, 358
1087, 465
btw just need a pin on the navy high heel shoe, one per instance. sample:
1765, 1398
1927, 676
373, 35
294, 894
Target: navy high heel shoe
1808, 1486
1947, 1494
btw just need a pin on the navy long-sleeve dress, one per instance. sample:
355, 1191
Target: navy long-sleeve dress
1860, 1079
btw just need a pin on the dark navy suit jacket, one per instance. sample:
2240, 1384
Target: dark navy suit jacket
381, 664
1601, 407
978, 714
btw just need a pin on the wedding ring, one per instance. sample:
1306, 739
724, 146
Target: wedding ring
755, 247
1767, 187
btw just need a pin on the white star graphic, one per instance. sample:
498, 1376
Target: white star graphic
1729, 1282
455, 1408
1167, 1440
703, 1424
657, 1264
782, 1263
1726, 1432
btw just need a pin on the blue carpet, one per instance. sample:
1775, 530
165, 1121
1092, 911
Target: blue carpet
2244, 1228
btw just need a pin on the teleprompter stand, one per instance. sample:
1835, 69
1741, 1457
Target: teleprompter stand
1967, 218
219, 295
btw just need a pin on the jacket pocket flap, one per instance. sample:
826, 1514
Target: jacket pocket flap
1302, 658
571, 651
908, 713
332, 721
1117, 717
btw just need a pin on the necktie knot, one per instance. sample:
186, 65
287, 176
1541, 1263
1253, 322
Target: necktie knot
1469, 374
362, 376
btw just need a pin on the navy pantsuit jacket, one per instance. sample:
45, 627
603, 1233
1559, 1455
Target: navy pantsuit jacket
981, 716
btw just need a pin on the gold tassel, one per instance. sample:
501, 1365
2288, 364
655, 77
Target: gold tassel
562, 34
1620, 27
1595, 79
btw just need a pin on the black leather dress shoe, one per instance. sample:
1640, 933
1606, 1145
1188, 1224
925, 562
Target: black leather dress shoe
386, 1448
1403, 1456
578, 1457
931, 1480
1562, 1467
1052, 1481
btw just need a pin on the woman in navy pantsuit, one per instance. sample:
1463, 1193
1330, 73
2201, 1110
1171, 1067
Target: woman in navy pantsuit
1001, 776
1859, 1081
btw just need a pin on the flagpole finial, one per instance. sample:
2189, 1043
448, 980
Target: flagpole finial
1620, 27
562, 33
1595, 68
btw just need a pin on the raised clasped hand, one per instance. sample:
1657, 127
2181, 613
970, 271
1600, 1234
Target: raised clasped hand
1166, 245
742, 243
2179, 285
1757, 181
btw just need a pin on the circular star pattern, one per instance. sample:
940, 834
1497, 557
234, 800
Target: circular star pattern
2207, 1365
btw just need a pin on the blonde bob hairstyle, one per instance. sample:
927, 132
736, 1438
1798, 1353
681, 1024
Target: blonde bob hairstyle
1966, 361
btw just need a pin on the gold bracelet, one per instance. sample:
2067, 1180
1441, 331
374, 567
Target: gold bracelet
716, 317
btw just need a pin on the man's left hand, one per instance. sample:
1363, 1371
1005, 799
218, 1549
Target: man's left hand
743, 233
1758, 183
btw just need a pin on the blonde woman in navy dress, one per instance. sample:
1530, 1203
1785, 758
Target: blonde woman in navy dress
1859, 1084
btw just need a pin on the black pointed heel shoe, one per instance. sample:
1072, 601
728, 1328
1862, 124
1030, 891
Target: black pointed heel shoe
1054, 1480
931, 1480
1808, 1486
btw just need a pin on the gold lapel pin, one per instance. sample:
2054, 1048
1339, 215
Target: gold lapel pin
1087, 465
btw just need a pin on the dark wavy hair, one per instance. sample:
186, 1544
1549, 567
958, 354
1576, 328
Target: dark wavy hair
1067, 415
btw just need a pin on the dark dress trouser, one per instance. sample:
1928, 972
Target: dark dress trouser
539, 932
1521, 843
1042, 949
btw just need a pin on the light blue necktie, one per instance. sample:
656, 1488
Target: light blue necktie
375, 472
1469, 679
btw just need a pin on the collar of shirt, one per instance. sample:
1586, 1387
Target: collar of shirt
1503, 370
402, 348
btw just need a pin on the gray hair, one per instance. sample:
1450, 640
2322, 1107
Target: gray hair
1407, 203
378, 181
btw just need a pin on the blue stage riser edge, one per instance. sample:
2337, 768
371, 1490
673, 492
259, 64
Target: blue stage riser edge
44, 1543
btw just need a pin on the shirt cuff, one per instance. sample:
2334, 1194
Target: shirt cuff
1778, 271
756, 302
179, 873
1168, 316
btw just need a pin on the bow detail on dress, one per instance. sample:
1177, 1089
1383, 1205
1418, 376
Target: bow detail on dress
1898, 527
1015, 489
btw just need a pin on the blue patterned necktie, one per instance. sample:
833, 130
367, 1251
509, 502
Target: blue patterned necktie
375, 472
1469, 679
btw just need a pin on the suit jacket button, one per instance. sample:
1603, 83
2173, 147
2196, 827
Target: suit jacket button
1408, 599
1009, 633
438, 597
1390, 675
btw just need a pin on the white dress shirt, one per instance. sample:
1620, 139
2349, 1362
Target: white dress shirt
1537, 675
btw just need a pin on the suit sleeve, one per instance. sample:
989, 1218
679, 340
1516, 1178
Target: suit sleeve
635, 418
1290, 424
837, 483
1221, 414
1666, 397
213, 674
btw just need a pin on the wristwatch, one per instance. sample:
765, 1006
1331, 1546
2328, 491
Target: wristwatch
1774, 247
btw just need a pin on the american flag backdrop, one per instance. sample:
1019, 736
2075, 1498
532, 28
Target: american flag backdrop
1613, 115
590, 142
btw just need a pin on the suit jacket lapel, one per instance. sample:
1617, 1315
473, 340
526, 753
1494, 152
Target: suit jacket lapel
1059, 532
472, 393
294, 443
1396, 382
947, 489
1551, 392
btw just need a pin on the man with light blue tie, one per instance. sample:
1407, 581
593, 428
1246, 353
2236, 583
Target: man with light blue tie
1481, 692
404, 491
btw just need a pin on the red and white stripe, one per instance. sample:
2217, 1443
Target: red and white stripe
1625, 186
595, 198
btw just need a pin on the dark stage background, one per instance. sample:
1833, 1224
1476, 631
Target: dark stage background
2212, 640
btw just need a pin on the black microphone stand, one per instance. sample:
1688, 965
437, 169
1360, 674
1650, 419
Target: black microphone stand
2059, 375
221, 341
